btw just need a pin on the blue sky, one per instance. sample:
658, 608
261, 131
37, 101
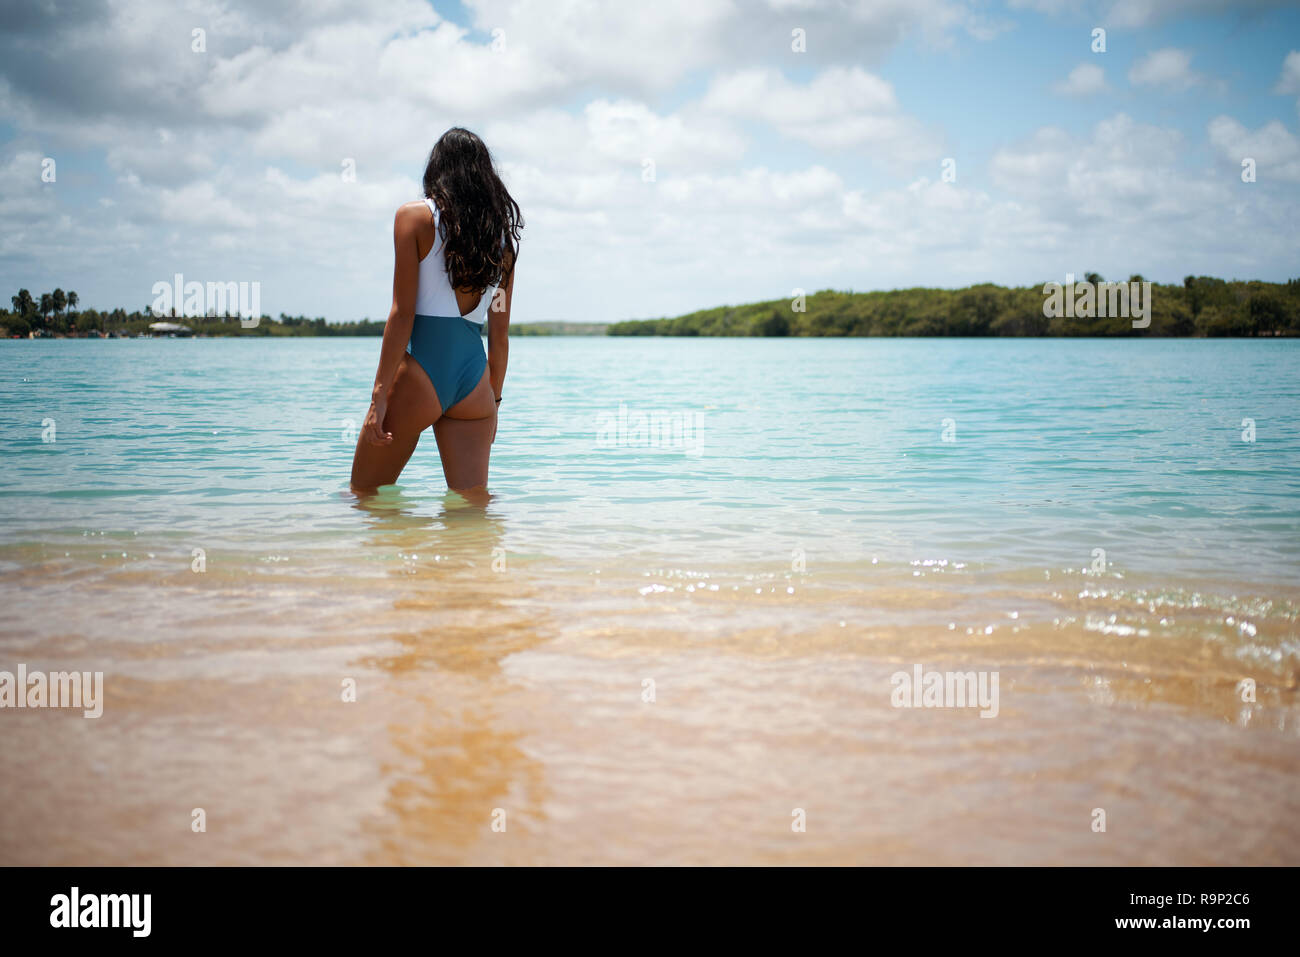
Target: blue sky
774, 170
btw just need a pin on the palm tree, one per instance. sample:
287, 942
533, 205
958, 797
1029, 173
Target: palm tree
59, 300
72, 304
47, 306
23, 303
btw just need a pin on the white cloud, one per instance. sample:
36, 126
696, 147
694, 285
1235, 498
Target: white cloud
1274, 149
839, 108
1289, 82
626, 133
1125, 172
641, 48
1086, 79
1169, 68
1124, 202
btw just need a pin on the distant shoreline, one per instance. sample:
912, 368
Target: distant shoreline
1201, 307
1265, 337
268, 328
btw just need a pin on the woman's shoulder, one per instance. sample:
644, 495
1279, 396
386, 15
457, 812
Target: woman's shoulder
416, 209
412, 219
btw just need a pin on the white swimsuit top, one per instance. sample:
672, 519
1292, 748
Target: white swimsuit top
434, 295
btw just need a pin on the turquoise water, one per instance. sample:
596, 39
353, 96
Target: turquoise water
834, 447
765, 531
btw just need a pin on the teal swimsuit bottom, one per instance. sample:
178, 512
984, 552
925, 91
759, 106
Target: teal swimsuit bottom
450, 350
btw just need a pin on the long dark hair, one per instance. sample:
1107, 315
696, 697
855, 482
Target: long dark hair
475, 211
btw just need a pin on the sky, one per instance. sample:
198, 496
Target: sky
668, 156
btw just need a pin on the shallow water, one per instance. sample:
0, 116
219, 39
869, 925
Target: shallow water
761, 531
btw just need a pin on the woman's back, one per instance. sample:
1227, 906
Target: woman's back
435, 295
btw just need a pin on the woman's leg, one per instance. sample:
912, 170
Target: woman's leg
412, 407
465, 436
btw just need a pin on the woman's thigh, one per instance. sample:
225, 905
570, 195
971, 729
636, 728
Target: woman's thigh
465, 444
412, 408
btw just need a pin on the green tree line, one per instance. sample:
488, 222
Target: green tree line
1201, 306
54, 313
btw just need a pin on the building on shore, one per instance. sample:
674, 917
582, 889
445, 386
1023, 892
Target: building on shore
171, 329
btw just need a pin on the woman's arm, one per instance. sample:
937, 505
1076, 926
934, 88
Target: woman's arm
401, 317
499, 333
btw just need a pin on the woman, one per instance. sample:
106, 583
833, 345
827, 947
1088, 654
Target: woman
454, 268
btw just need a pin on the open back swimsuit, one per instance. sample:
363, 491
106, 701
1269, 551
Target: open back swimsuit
447, 345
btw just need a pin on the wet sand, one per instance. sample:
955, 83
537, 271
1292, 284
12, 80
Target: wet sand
524, 691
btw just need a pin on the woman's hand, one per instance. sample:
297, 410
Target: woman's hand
372, 430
